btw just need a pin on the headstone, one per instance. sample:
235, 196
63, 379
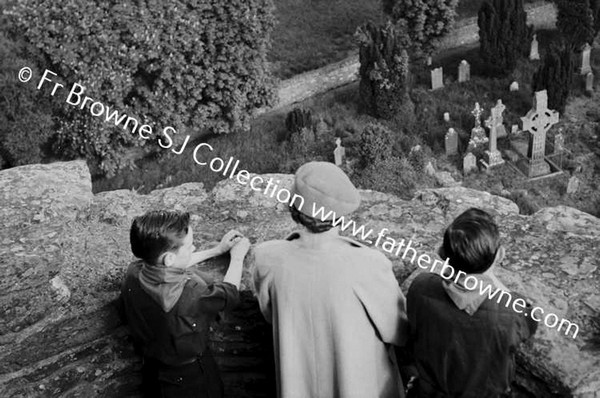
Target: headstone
585, 59
429, 169
446, 117
494, 123
429, 60
478, 133
437, 78
464, 71
514, 129
451, 142
589, 82
559, 143
339, 152
514, 86
469, 163
573, 185
534, 52
537, 122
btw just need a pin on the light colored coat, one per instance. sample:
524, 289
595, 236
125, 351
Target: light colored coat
333, 304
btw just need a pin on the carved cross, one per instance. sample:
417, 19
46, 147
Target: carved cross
537, 122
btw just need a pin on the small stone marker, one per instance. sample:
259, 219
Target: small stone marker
464, 71
514, 129
559, 143
429, 169
534, 54
585, 59
537, 122
451, 142
446, 117
429, 60
589, 82
469, 163
514, 86
437, 78
573, 185
339, 152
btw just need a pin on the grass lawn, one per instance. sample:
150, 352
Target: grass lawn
315, 33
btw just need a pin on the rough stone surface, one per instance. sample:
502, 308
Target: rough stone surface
60, 334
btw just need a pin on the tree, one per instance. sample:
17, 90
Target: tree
595, 7
384, 70
556, 75
575, 21
427, 21
503, 34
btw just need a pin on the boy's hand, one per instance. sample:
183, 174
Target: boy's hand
228, 241
240, 249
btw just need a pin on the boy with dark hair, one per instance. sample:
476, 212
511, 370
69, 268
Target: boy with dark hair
463, 343
169, 304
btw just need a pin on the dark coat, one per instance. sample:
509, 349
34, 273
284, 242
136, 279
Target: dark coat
458, 355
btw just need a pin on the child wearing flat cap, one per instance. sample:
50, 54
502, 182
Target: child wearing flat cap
169, 304
463, 342
334, 304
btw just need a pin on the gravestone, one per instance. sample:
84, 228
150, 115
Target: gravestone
514, 86
514, 130
559, 143
585, 59
537, 122
478, 133
464, 71
339, 152
469, 163
589, 82
494, 123
451, 142
437, 78
573, 185
429, 169
534, 54
446, 117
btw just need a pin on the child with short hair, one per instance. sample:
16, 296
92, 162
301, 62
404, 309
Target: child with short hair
463, 343
169, 304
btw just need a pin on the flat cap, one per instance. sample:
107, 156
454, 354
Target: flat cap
323, 184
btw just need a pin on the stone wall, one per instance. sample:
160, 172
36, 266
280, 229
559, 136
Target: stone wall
303, 86
63, 252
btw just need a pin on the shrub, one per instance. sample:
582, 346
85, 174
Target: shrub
384, 70
392, 175
297, 119
555, 75
181, 64
575, 21
376, 143
503, 34
26, 121
427, 21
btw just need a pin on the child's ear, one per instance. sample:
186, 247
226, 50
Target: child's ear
168, 259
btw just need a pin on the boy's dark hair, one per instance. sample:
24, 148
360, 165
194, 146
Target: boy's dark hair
314, 225
158, 232
471, 242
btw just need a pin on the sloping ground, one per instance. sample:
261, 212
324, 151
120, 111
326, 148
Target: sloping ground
63, 252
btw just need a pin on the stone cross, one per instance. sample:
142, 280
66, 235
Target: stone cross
514, 86
585, 59
494, 123
339, 152
589, 82
559, 143
469, 163
534, 53
477, 132
573, 185
537, 122
464, 71
451, 142
437, 78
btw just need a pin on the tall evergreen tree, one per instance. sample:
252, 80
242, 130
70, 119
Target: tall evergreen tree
595, 7
556, 75
575, 21
384, 69
503, 34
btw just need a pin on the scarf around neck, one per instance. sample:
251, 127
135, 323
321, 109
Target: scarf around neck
165, 284
466, 299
